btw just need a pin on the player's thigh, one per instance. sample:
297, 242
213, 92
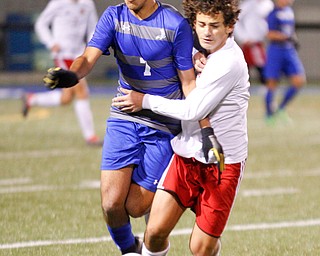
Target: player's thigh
164, 215
114, 185
139, 201
201, 243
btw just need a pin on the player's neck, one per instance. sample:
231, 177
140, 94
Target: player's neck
147, 10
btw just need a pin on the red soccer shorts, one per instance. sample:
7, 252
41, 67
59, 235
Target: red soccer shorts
196, 186
254, 54
63, 63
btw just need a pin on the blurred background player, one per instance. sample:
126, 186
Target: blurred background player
64, 27
250, 33
282, 58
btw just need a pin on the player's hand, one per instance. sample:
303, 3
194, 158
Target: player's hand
199, 61
59, 78
130, 102
212, 149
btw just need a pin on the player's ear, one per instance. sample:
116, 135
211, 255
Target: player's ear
229, 29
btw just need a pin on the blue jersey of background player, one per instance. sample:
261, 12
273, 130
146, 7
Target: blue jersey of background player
152, 43
282, 57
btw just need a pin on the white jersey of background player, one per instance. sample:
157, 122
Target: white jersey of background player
252, 25
65, 27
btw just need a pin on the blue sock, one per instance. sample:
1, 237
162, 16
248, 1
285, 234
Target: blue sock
122, 236
269, 102
289, 95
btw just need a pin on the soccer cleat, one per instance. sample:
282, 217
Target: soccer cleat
283, 117
25, 105
270, 120
94, 141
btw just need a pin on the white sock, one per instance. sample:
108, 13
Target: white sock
219, 248
85, 118
46, 99
146, 252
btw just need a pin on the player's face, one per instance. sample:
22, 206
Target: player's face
135, 5
211, 31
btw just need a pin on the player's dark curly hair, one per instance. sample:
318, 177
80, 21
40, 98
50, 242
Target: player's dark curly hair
229, 9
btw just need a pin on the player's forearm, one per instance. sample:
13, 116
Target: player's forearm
81, 67
277, 36
84, 63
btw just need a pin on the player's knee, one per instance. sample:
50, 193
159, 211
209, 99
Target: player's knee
156, 236
110, 207
136, 210
205, 249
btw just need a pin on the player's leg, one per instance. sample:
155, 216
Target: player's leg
139, 201
271, 85
294, 70
204, 244
213, 206
40, 99
114, 189
83, 112
164, 215
272, 72
121, 152
155, 157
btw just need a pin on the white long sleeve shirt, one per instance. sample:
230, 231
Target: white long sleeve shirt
252, 24
222, 92
68, 23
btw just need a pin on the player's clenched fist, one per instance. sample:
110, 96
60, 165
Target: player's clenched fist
60, 78
212, 149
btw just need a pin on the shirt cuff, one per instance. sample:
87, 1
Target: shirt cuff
146, 101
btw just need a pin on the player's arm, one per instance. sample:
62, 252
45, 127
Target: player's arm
275, 35
60, 78
188, 80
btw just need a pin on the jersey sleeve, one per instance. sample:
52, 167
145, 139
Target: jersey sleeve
272, 21
105, 30
183, 45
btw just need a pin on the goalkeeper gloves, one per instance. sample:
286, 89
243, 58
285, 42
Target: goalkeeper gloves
211, 148
59, 78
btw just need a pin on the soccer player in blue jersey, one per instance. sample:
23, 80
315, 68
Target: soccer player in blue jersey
282, 57
152, 43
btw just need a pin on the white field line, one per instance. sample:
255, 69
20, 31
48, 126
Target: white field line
39, 153
281, 174
39, 188
187, 231
17, 181
268, 192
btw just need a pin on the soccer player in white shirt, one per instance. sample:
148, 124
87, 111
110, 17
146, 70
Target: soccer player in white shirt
64, 27
250, 33
222, 94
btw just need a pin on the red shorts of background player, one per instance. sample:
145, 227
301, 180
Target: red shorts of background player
63, 63
196, 186
254, 54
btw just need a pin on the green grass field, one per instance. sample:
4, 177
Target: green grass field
50, 198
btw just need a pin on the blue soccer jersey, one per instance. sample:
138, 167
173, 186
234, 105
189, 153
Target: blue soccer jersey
282, 57
148, 54
282, 20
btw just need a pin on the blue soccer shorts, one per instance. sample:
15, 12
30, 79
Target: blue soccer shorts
282, 61
127, 143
